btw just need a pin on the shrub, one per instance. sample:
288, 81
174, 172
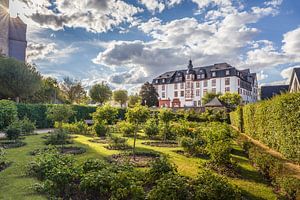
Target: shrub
183, 128
126, 128
101, 128
60, 113
117, 143
289, 187
165, 132
236, 118
106, 113
75, 128
3, 161
210, 186
58, 137
8, 113
151, 128
14, 130
276, 123
159, 167
219, 153
269, 166
194, 146
27, 126
170, 187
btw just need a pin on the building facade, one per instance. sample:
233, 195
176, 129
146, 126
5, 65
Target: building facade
12, 34
185, 88
295, 81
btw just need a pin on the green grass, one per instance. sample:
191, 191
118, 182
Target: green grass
15, 185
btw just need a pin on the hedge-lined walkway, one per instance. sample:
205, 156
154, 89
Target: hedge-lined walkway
290, 167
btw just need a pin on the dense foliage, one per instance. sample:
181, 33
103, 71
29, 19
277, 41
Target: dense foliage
148, 94
120, 96
236, 118
100, 93
274, 122
8, 113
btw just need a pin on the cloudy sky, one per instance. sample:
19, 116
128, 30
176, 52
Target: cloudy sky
128, 42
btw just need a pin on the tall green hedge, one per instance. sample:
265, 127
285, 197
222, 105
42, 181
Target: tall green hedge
37, 113
276, 123
8, 113
236, 118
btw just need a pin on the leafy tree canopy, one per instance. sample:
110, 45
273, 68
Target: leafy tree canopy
18, 79
120, 96
149, 95
209, 96
73, 90
133, 100
100, 93
232, 100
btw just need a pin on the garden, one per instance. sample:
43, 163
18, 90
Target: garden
133, 153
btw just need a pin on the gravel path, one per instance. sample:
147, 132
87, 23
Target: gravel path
38, 131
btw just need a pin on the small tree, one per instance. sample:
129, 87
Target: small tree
137, 115
120, 96
149, 95
133, 100
165, 116
209, 96
232, 100
60, 114
100, 93
105, 113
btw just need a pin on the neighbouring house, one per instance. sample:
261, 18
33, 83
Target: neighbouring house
295, 81
12, 34
185, 88
267, 92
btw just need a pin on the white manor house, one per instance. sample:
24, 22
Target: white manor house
185, 88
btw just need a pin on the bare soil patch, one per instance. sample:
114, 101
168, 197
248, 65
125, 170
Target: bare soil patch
162, 143
141, 159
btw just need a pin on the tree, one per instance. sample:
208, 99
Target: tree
165, 116
60, 113
106, 113
100, 93
73, 90
209, 96
18, 79
120, 96
149, 95
133, 100
137, 115
48, 93
232, 100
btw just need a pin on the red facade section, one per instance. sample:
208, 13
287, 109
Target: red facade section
164, 103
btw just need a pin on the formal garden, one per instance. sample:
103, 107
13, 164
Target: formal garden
137, 153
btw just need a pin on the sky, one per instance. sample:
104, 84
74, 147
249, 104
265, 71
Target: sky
129, 42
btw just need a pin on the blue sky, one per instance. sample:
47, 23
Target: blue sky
129, 42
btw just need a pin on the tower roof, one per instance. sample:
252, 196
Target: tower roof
190, 68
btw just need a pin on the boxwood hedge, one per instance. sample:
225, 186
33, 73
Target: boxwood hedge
274, 122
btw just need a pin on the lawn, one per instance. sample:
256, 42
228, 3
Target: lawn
15, 185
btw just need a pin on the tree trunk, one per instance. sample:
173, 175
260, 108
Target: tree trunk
134, 141
17, 99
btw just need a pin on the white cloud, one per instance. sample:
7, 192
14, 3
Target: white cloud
261, 75
159, 5
287, 73
92, 15
291, 42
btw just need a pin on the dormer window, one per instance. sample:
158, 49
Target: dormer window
198, 76
163, 80
227, 72
156, 81
202, 76
213, 74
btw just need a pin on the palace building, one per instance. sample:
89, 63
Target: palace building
12, 34
185, 88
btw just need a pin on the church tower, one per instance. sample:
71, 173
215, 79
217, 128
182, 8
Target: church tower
4, 24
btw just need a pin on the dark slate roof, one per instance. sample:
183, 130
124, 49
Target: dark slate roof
215, 102
268, 92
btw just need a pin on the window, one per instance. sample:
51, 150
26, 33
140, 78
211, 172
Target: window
239, 82
214, 90
163, 81
163, 95
227, 89
181, 85
205, 84
195, 103
197, 92
213, 82
204, 92
227, 72
156, 81
175, 86
202, 76
213, 74
175, 94
188, 76
188, 85
182, 93
227, 81
198, 76
199, 103
163, 87
197, 84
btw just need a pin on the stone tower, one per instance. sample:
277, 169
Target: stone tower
4, 24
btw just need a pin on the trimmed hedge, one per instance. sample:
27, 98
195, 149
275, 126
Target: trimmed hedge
8, 113
236, 118
37, 113
276, 123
